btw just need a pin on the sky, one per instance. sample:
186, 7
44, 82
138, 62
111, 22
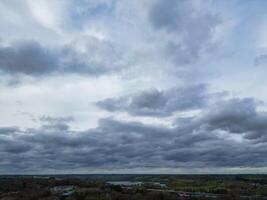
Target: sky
121, 86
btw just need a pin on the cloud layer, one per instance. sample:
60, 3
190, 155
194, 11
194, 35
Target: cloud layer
189, 27
201, 141
114, 85
34, 59
154, 102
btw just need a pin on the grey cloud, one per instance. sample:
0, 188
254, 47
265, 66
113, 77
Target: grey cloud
8, 130
14, 147
190, 28
160, 103
260, 60
54, 120
85, 10
190, 142
58, 123
9, 142
118, 144
238, 116
233, 115
34, 59
27, 58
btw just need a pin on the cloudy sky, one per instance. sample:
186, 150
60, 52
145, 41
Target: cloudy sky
121, 86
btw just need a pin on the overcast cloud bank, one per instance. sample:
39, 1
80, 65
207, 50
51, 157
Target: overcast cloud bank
132, 86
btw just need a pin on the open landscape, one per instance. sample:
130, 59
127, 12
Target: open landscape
133, 187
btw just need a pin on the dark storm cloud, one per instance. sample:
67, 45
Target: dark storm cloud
9, 143
34, 59
154, 102
190, 27
27, 58
118, 144
238, 116
8, 130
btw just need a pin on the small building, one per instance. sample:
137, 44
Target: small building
63, 190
